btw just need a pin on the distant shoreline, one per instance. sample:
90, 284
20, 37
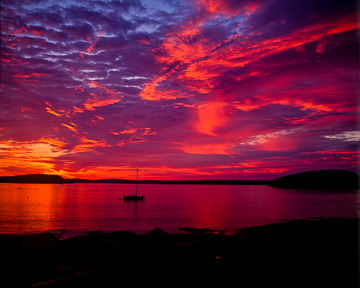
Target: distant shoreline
179, 182
310, 180
55, 179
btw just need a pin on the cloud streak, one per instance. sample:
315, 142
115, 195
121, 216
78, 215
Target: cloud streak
187, 89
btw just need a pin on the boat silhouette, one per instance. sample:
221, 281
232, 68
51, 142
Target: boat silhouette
135, 196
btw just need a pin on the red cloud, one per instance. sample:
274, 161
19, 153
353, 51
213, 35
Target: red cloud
71, 128
210, 116
230, 7
201, 61
260, 92
48, 109
88, 145
106, 97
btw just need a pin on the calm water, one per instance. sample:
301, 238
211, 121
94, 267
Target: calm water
28, 208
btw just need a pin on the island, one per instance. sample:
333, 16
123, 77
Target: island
319, 180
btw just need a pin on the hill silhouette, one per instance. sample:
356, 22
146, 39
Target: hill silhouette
43, 178
319, 180
311, 180
33, 178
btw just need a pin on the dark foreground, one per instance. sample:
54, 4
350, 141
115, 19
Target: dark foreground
302, 253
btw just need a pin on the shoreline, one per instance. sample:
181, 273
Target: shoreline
63, 233
324, 252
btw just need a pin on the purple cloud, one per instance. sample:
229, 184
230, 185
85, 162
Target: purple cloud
186, 89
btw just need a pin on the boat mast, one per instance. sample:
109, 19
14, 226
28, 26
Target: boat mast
137, 179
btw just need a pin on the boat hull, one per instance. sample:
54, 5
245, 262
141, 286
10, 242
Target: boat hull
133, 197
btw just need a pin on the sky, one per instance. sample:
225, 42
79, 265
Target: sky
204, 89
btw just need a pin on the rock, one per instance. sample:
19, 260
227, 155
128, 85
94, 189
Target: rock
319, 180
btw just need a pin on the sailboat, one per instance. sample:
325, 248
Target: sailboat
135, 196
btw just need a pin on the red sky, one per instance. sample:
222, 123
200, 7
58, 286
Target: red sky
207, 89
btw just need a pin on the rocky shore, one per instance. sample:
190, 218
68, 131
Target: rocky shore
319, 180
299, 253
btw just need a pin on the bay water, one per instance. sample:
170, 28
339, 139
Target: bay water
73, 209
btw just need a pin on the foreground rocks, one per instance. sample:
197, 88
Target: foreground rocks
301, 253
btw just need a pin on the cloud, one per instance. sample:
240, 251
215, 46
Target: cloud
37, 156
230, 7
129, 131
189, 87
88, 145
210, 116
71, 127
349, 136
48, 109
105, 97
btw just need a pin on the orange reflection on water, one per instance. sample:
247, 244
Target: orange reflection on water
28, 207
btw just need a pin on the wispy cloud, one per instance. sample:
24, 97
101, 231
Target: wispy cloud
349, 136
188, 88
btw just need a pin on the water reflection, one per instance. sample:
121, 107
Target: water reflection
28, 207
84, 207
134, 211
